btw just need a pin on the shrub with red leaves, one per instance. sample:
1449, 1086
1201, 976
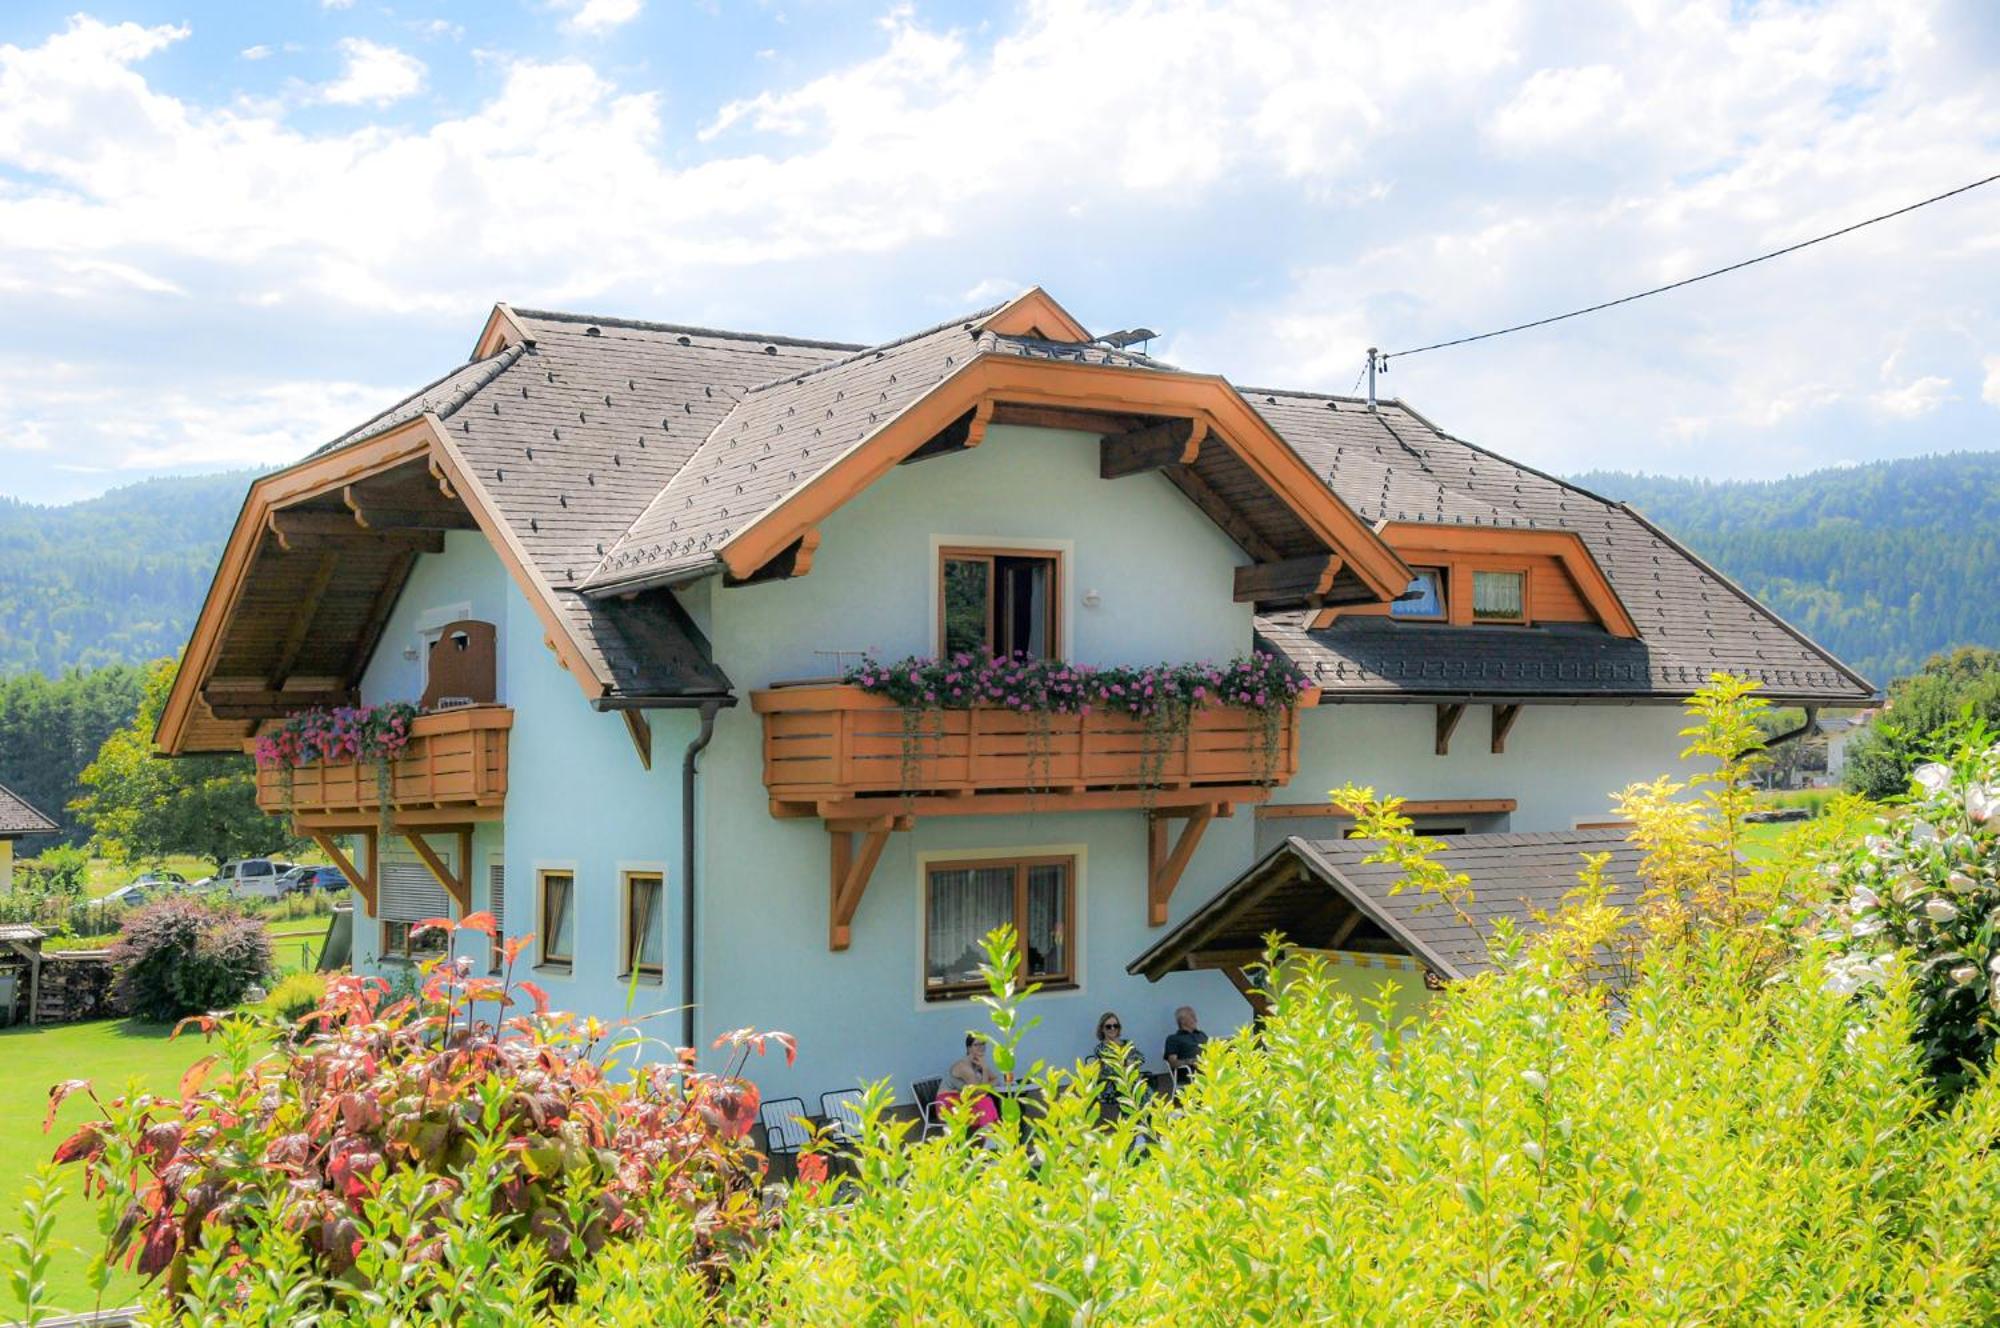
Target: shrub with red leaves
185, 956
470, 1094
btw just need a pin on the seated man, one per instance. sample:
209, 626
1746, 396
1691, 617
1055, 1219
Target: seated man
1184, 1044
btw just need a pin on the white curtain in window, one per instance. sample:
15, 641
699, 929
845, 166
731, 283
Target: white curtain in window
965, 904
1048, 906
648, 933
559, 915
1496, 594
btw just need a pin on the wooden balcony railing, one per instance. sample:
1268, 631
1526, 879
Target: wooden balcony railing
453, 771
832, 749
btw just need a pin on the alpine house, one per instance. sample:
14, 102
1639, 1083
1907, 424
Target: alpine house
642, 579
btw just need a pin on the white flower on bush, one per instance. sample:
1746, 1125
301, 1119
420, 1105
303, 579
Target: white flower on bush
1864, 900
1932, 777
1982, 804
1958, 880
1940, 911
1847, 974
1965, 975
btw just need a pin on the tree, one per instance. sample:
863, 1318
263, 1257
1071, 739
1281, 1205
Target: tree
1924, 711
50, 728
142, 809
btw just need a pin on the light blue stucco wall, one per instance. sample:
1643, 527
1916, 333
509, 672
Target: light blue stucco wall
1162, 575
577, 796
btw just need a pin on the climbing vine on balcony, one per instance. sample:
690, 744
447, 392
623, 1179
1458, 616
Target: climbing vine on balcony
1162, 697
340, 734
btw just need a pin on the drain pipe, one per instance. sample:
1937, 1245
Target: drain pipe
689, 762
1777, 739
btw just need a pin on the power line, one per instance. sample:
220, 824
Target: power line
1689, 281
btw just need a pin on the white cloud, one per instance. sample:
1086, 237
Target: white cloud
1290, 185
374, 75
598, 16
336, 4
1989, 390
258, 52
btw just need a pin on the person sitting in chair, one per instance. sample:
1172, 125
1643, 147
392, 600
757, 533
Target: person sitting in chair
968, 1077
1184, 1044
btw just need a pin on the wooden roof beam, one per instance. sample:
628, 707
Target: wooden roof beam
261, 702
1169, 443
1222, 514
379, 512
302, 620
1288, 581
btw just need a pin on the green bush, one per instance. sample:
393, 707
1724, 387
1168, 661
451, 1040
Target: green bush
184, 956
296, 995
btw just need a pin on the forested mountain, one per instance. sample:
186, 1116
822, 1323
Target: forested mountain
116, 579
1885, 564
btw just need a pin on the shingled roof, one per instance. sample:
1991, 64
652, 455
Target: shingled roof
623, 455
18, 818
1310, 889
1393, 465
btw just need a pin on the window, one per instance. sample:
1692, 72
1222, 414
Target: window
1499, 597
645, 925
558, 923
496, 904
397, 943
1004, 602
965, 900
1427, 595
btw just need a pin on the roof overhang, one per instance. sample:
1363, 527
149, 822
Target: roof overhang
991, 379
502, 329
1035, 313
421, 441
1203, 940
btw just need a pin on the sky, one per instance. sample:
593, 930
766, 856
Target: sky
230, 230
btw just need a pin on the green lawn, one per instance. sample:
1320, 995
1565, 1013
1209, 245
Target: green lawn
111, 1053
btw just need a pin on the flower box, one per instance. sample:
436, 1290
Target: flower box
455, 761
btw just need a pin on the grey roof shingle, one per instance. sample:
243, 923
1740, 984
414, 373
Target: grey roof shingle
18, 817
1307, 889
624, 454
1394, 465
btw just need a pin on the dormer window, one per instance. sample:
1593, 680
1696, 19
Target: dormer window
1425, 597
1499, 597
999, 600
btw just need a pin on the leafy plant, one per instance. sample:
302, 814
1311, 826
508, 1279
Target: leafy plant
411, 1156
183, 956
296, 996
1926, 886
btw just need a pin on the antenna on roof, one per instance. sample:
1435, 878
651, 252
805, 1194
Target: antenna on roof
1376, 360
1130, 336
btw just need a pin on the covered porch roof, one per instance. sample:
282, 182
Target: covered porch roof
1321, 895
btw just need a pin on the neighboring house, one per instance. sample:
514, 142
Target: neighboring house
1839, 731
17, 821
603, 549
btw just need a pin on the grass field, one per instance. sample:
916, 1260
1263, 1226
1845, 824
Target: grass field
112, 1054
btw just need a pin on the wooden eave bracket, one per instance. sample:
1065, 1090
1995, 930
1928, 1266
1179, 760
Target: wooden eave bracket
1288, 581
853, 864
1169, 443
642, 736
1503, 724
457, 885
1447, 723
1164, 866
363, 882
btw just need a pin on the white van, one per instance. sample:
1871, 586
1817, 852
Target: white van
252, 878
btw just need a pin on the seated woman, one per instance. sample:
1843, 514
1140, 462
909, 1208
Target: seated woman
972, 1072
1114, 1055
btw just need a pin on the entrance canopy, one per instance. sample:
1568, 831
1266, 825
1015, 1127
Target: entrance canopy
1321, 896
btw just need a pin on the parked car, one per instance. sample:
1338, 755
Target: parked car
135, 895
160, 881
252, 878
299, 880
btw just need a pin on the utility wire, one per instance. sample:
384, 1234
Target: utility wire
1689, 281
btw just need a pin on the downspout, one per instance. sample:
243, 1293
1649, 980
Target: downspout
1812, 718
689, 763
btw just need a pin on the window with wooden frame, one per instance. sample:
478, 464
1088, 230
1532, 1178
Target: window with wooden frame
1006, 601
1425, 602
556, 907
398, 943
965, 900
645, 948
1499, 596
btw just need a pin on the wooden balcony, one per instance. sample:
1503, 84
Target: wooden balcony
868, 768
453, 771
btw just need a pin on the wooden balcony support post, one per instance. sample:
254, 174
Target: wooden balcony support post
852, 867
363, 883
1447, 724
1503, 724
641, 733
459, 885
1164, 866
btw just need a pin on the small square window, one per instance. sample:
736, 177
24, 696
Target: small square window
645, 924
1002, 603
398, 943
1425, 595
1499, 597
558, 929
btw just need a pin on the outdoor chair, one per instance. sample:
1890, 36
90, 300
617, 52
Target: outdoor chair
925, 1091
842, 1110
783, 1119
